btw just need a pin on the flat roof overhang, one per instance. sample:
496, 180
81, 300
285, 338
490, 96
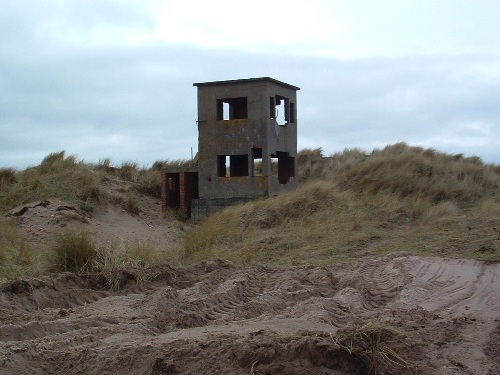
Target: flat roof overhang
246, 80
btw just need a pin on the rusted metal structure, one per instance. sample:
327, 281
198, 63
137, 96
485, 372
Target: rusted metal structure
247, 146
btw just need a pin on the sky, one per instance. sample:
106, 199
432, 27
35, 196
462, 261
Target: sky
114, 78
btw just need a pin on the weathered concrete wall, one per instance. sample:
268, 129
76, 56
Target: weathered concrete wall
202, 208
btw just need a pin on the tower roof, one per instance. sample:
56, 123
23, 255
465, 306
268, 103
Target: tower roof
246, 80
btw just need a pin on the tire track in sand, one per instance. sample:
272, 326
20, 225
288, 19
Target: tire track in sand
378, 287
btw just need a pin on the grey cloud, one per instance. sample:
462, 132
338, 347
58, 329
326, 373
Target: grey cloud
138, 103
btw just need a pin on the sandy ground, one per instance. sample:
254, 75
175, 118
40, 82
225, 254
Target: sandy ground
41, 221
442, 316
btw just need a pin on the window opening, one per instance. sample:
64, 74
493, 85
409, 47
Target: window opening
284, 166
232, 165
257, 162
281, 109
232, 108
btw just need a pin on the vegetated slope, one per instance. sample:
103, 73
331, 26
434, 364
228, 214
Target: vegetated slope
357, 204
79, 183
113, 213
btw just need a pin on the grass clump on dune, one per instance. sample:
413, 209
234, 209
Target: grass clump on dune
355, 204
74, 252
379, 347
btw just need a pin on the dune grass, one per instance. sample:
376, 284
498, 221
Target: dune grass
355, 204
58, 176
78, 183
76, 251
349, 205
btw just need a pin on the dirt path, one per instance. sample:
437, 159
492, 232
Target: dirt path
216, 318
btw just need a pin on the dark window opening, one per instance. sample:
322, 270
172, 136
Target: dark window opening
285, 168
232, 165
232, 108
279, 107
238, 165
257, 161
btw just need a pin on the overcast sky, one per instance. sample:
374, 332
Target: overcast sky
103, 78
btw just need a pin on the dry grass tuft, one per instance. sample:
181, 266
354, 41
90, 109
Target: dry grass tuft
112, 259
8, 176
379, 347
129, 171
74, 252
77, 252
129, 202
16, 259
